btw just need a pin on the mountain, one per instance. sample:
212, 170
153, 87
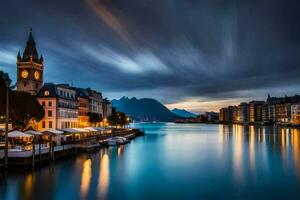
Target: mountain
183, 113
144, 109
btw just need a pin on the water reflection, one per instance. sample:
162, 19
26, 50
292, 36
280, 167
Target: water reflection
252, 149
201, 162
86, 178
296, 144
103, 180
238, 152
28, 186
261, 141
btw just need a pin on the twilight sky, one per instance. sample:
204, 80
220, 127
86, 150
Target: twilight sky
192, 54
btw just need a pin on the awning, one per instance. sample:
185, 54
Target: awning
14, 134
82, 130
32, 132
90, 129
52, 132
69, 130
99, 128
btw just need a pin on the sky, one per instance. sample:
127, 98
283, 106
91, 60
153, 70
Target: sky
191, 54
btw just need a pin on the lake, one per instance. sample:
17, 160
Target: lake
173, 161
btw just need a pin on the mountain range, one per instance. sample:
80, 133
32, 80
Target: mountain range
144, 109
183, 113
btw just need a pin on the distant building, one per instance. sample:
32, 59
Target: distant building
265, 113
295, 112
59, 102
235, 114
255, 111
283, 112
212, 116
30, 67
223, 115
243, 112
107, 108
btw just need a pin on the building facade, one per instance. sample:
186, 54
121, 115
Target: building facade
59, 102
30, 68
255, 111
95, 101
243, 112
83, 107
295, 112
107, 108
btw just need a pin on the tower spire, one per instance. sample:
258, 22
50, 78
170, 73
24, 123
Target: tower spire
30, 49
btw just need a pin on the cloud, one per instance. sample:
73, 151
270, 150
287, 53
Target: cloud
138, 62
8, 56
173, 51
109, 19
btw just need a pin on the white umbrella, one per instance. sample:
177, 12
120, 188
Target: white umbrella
14, 134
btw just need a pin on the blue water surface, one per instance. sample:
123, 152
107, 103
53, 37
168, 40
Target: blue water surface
173, 161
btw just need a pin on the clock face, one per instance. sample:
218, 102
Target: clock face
37, 75
24, 73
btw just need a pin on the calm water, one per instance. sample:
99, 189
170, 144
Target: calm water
174, 161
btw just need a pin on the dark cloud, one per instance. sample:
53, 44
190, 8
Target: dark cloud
170, 50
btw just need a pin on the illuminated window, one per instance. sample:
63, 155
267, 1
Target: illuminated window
46, 93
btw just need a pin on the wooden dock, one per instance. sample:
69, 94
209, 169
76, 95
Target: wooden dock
30, 158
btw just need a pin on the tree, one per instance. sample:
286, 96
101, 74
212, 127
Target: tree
118, 118
94, 118
4, 80
23, 108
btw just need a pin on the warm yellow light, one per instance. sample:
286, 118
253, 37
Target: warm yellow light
86, 178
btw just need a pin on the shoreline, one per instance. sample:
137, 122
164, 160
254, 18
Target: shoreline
244, 124
31, 159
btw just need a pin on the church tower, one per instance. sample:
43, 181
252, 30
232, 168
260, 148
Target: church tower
30, 68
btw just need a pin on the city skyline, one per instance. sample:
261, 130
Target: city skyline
199, 58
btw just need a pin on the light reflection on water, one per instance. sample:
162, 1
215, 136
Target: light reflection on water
174, 161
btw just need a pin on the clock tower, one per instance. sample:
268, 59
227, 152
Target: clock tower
30, 68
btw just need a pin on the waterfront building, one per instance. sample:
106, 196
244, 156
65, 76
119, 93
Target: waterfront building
30, 67
223, 116
243, 112
95, 101
235, 114
265, 113
255, 111
295, 112
82, 98
107, 108
212, 116
59, 102
283, 112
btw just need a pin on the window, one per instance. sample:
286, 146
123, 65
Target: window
49, 113
36, 85
43, 124
24, 83
50, 103
43, 103
50, 124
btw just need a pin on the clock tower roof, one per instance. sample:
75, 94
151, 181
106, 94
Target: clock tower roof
30, 49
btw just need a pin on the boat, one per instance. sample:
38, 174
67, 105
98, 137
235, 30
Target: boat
114, 141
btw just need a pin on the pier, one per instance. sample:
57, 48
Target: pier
77, 141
